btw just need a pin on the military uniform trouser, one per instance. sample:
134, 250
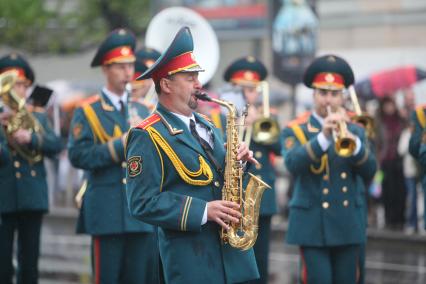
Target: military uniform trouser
261, 249
330, 265
125, 259
27, 224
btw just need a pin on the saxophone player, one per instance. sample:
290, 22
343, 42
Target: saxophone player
23, 193
175, 168
327, 209
246, 76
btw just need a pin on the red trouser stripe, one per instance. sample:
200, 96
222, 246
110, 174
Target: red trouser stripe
304, 270
97, 255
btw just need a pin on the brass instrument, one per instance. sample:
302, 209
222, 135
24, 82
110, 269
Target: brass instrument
343, 144
361, 117
265, 130
21, 119
241, 235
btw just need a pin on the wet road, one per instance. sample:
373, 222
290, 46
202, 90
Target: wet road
391, 258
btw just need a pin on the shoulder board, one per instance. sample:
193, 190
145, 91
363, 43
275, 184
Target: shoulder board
90, 100
303, 118
150, 120
205, 117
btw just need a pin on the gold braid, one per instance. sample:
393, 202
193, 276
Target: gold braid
183, 172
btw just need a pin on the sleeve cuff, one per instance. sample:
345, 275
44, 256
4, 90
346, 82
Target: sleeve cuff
204, 220
314, 149
192, 214
357, 146
323, 141
116, 150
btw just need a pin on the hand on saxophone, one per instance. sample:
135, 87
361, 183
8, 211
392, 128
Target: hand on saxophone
223, 212
245, 154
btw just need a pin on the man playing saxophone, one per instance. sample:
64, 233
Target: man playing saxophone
25, 139
175, 175
247, 77
327, 155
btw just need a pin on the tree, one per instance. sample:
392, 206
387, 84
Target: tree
65, 26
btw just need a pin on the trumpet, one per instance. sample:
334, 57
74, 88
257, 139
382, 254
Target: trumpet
360, 117
265, 130
343, 144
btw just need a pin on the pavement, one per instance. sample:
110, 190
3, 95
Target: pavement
392, 257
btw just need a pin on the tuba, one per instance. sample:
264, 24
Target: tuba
21, 119
343, 144
360, 117
241, 235
265, 130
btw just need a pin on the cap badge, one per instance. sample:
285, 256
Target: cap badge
125, 51
251, 59
13, 56
329, 78
121, 32
248, 75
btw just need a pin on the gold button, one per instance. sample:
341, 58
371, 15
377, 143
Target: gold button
325, 177
343, 175
123, 164
345, 189
325, 205
345, 203
325, 191
258, 154
124, 181
16, 164
18, 175
33, 173
216, 183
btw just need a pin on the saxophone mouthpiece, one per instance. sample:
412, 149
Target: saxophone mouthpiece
202, 96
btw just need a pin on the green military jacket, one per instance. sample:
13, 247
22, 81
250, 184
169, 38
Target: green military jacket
264, 154
170, 179
328, 206
417, 145
95, 145
23, 185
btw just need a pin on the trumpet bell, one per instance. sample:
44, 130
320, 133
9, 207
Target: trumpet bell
345, 147
266, 131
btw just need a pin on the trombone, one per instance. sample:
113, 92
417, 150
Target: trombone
360, 117
343, 144
265, 130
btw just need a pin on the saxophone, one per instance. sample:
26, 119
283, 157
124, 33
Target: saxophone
241, 235
22, 118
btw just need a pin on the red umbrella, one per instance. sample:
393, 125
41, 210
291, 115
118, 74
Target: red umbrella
389, 81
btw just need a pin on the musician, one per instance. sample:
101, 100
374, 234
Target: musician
417, 145
174, 183
124, 250
23, 185
246, 74
327, 210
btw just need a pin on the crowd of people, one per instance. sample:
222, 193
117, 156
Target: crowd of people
164, 198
